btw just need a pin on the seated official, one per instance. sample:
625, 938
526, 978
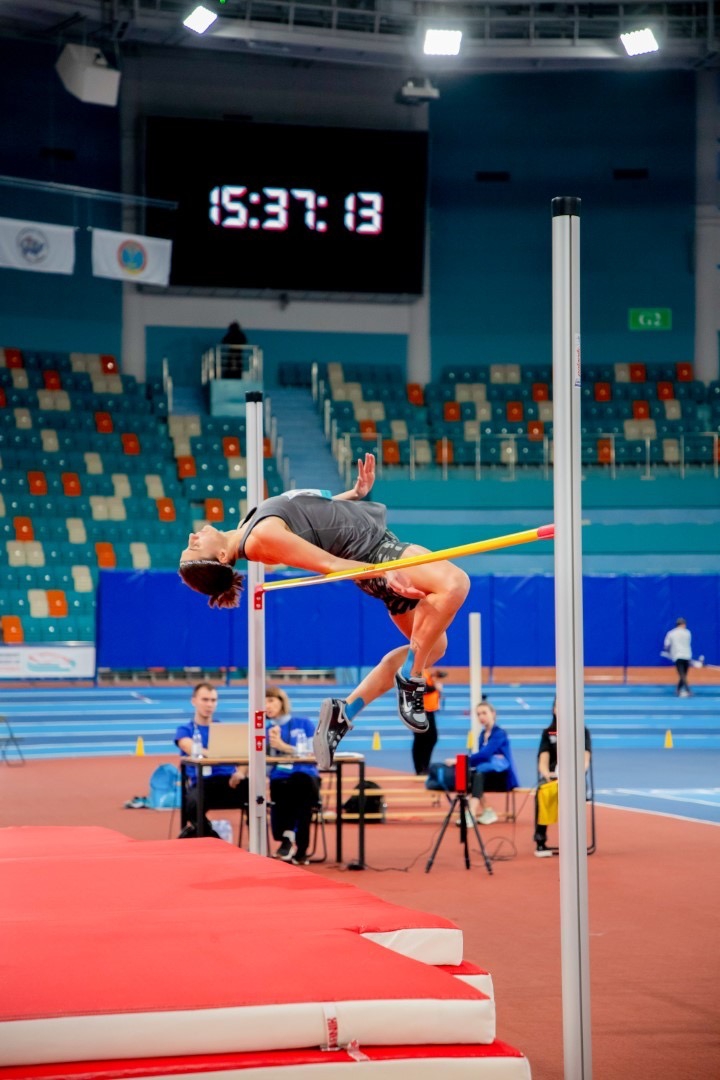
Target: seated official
547, 774
294, 786
225, 787
492, 766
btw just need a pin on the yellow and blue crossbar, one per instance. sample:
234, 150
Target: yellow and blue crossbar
544, 532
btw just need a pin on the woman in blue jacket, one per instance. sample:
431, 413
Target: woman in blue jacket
294, 786
492, 764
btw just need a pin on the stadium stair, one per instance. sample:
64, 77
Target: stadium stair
311, 461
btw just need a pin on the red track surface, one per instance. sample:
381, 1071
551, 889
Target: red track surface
655, 935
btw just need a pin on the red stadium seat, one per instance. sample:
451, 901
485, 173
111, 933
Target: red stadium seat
14, 358
641, 410
536, 430
367, 427
540, 391
665, 391
684, 372
603, 391
186, 466
514, 411
390, 452
71, 483
451, 411
638, 373
52, 380
444, 450
231, 446
57, 603
103, 422
109, 365
106, 557
267, 448
37, 482
604, 451
12, 630
130, 443
415, 394
214, 510
23, 528
166, 509
3, 399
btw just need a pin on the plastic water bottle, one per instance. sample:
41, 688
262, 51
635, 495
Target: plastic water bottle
301, 745
197, 744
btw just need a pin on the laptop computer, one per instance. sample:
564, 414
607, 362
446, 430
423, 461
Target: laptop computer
228, 741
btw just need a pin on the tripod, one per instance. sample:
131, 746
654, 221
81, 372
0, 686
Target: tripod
460, 804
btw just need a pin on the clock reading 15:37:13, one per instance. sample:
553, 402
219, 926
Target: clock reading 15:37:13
275, 209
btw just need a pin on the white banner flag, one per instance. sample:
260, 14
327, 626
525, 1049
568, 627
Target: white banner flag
35, 245
131, 258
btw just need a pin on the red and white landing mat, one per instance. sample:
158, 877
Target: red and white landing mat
494, 1062
116, 948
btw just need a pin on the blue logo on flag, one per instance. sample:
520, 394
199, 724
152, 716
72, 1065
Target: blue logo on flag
132, 257
32, 245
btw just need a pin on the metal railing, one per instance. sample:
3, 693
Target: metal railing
167, 383
499, 454
232, 362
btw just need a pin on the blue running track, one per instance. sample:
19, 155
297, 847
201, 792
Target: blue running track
628, 726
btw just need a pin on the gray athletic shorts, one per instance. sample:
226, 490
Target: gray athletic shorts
388, 549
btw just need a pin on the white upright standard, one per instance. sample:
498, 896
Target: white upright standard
257, 810
574, 938
475, 635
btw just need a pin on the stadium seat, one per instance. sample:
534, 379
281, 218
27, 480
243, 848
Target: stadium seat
444, 451
641, 410
415, 394
604, 451
105, 555
638, 373
665, 391
12, 629
186, 466
37, 483
130, 444
684, 372
214, 510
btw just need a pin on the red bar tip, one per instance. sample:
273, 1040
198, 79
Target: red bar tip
546, 532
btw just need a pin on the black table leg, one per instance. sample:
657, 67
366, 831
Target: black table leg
338, 812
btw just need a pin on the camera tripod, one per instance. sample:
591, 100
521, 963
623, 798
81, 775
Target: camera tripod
459, 804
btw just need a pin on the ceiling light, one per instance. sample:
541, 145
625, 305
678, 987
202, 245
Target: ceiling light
638, 42
200, 19
442, 42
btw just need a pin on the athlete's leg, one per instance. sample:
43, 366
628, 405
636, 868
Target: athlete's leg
445, 588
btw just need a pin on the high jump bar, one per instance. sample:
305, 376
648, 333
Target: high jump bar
544, 532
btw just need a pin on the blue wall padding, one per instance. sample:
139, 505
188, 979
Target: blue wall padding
655, 602
148, 618
605, 620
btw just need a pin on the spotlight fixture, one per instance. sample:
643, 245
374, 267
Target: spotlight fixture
638, 42
200, 19
442, 42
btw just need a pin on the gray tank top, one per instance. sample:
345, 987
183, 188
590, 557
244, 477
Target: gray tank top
345, 528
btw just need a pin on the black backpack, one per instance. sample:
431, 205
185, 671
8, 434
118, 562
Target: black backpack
373, 803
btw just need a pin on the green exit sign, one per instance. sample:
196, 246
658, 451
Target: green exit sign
650, 318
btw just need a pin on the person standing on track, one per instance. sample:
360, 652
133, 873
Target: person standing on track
678, 646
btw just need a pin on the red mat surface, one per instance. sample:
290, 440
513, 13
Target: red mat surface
112, 946
498, 1061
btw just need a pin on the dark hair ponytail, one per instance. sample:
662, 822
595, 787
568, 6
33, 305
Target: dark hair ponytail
215, 579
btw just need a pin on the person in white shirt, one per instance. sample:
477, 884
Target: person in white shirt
678, 646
